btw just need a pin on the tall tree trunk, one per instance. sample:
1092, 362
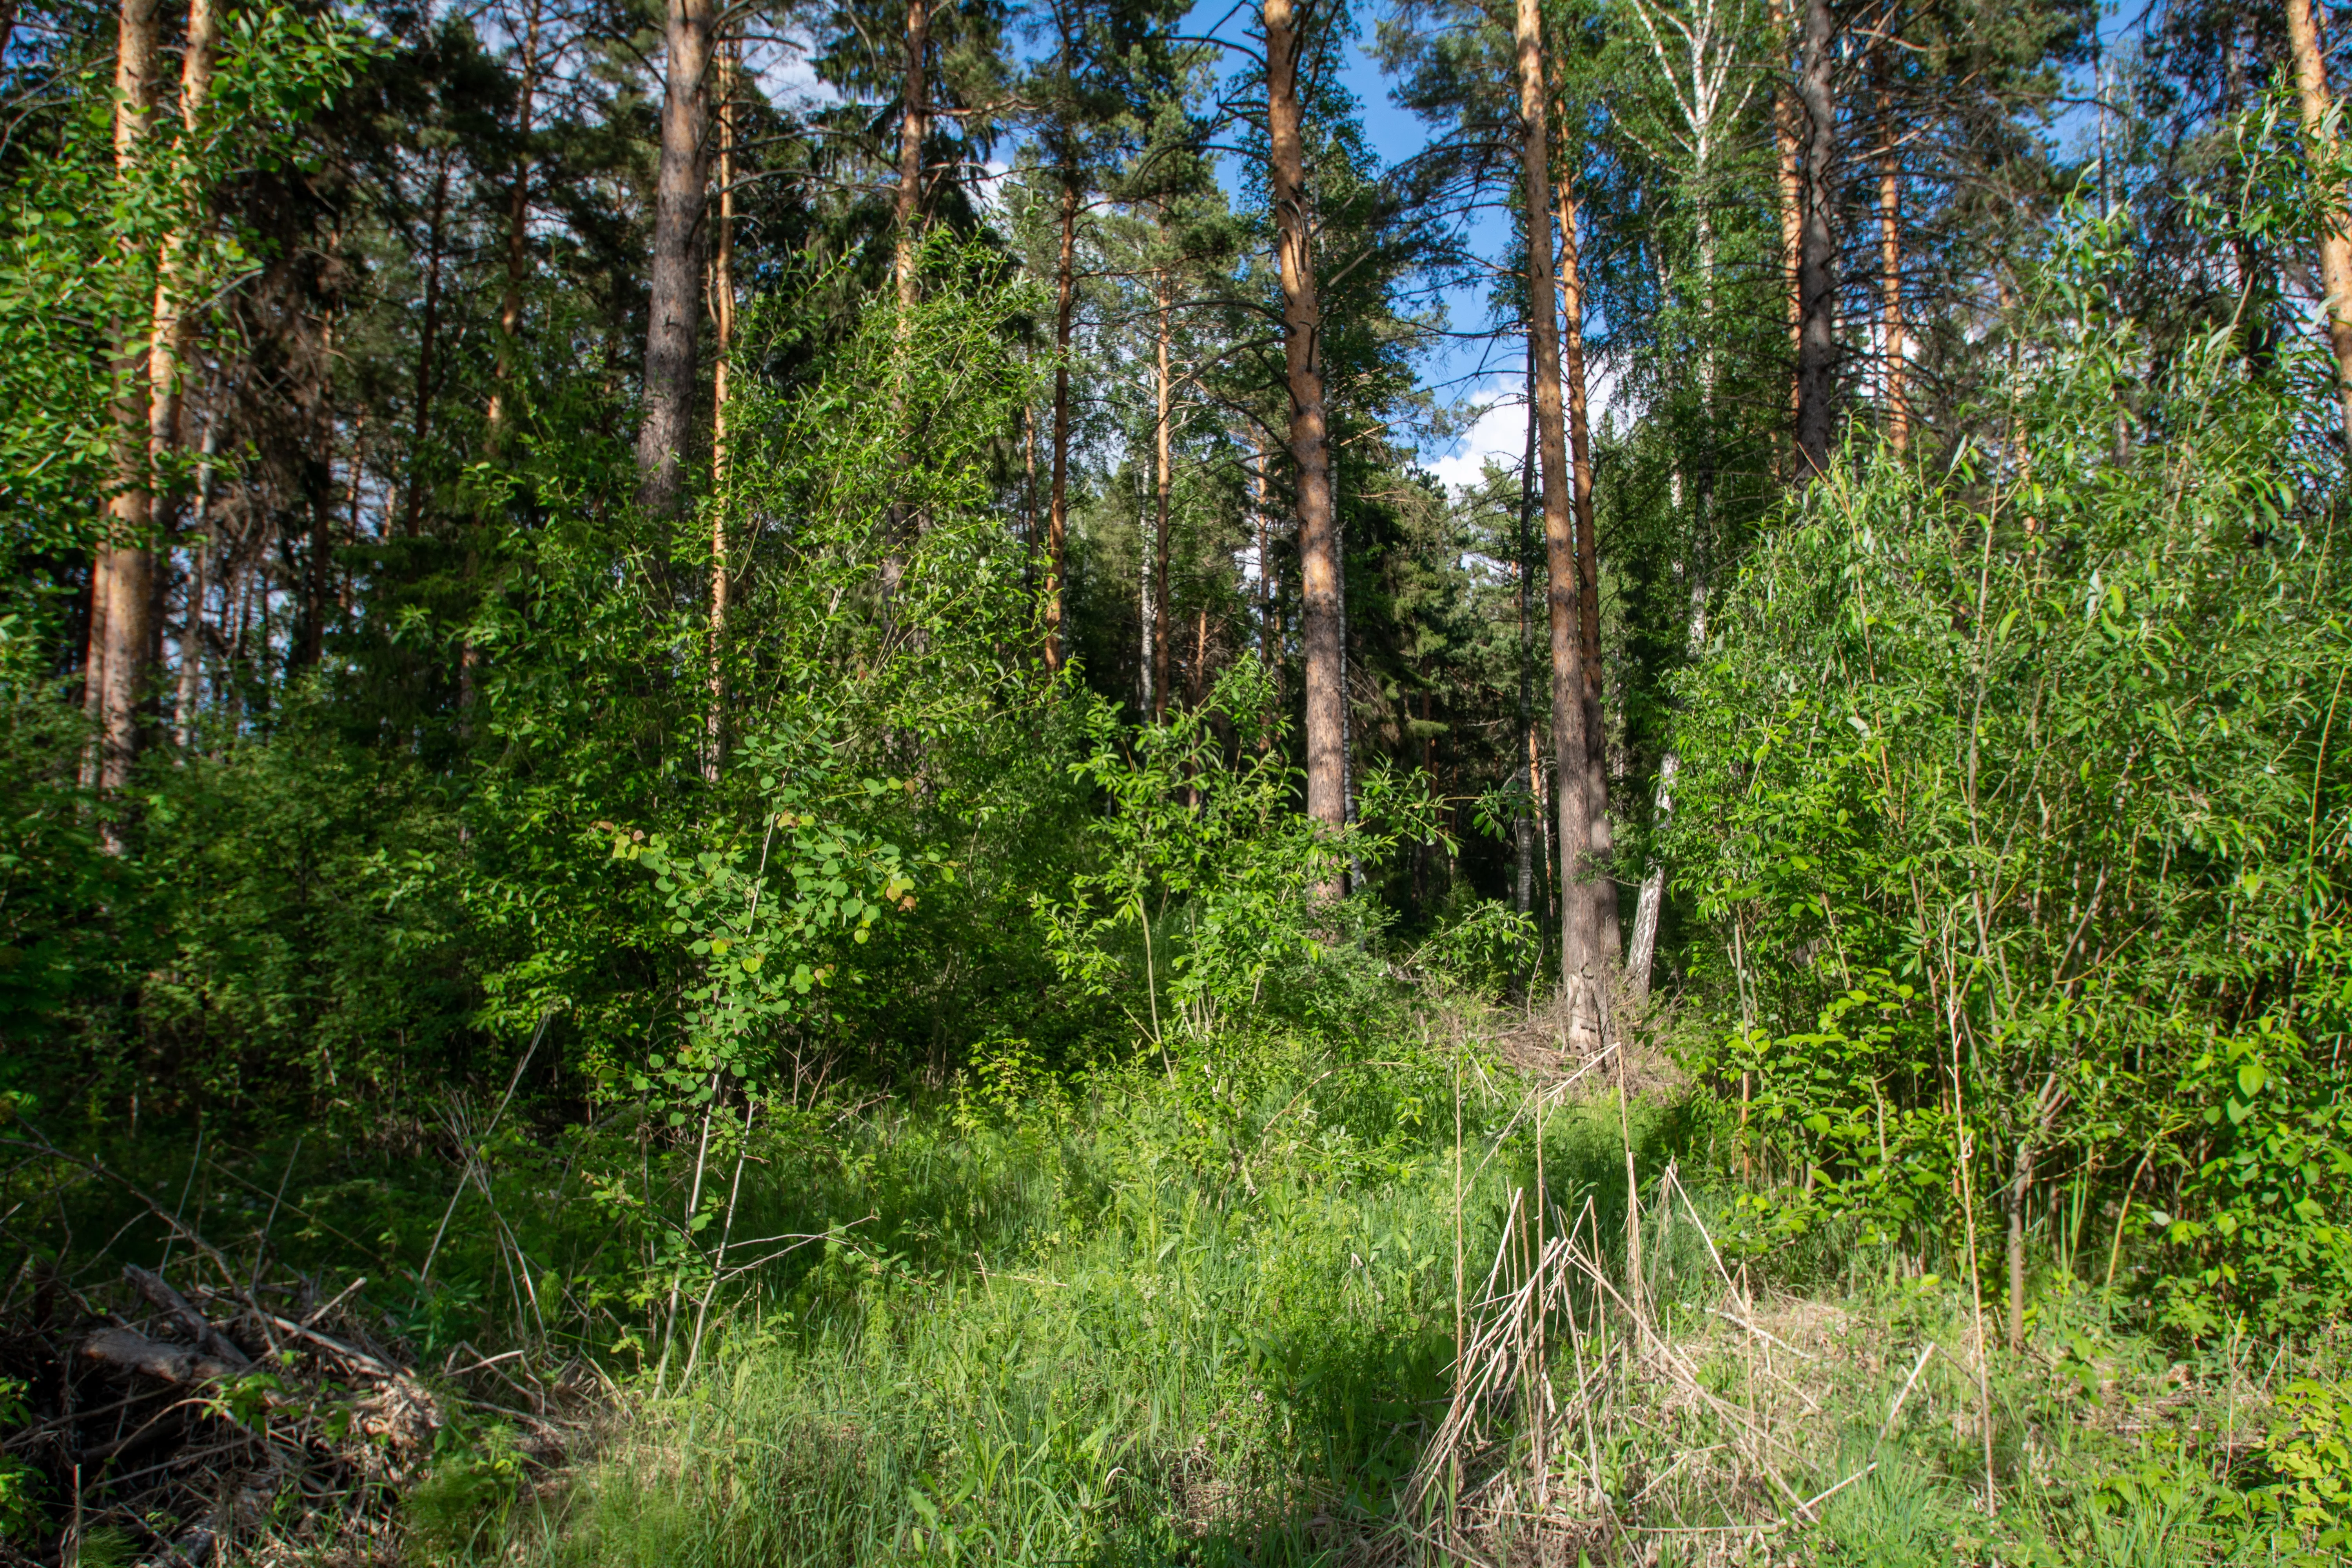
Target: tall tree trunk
172, 341
1581, 965
1324, 628
427, 340
1588, 579
2335, 243
1057, 514
501, 413
1788, 121
1162, 445
1890, 268
722, 317
1817, 263
914, 126
122, 575
673, 318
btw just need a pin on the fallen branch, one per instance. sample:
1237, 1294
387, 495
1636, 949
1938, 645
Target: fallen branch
1897, 1408
208, 1339
134, 1352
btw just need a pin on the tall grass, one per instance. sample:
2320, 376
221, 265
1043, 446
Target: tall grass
1058, 1334
1057, 1338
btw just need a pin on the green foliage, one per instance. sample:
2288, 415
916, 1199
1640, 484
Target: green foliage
1213, 860
2017, 794
2309, 1446
78, 241
2269, 1203
764, 912
20, 1510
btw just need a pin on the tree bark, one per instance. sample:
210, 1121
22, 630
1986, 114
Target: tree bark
914, 126
122, 575
172, 341
1057, 513
1162, 445
1582, 964
722, 316
1588, 581
1787, 121
1323, 629
2336, 241
673, 318
1817, 261
2020, 1192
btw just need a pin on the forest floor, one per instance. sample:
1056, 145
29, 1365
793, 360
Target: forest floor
1054, 1331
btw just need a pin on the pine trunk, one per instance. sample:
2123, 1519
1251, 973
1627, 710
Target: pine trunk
1581, 957
2336, 242
914, 126
1817, 261
674, 316
1588, 582
123, 576
1789, 186
1890, 271
1323, 621
722, 316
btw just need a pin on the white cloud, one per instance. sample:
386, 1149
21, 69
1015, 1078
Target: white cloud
1499, 433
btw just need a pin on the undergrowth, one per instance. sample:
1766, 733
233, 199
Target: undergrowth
1025, 1333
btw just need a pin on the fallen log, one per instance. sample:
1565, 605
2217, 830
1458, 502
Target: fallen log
209, 1339
134, 1352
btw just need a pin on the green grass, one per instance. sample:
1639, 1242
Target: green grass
1066, 1337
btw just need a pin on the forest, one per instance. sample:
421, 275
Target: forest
1486, 782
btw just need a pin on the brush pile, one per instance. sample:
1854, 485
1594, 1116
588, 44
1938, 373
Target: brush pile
215, 1410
